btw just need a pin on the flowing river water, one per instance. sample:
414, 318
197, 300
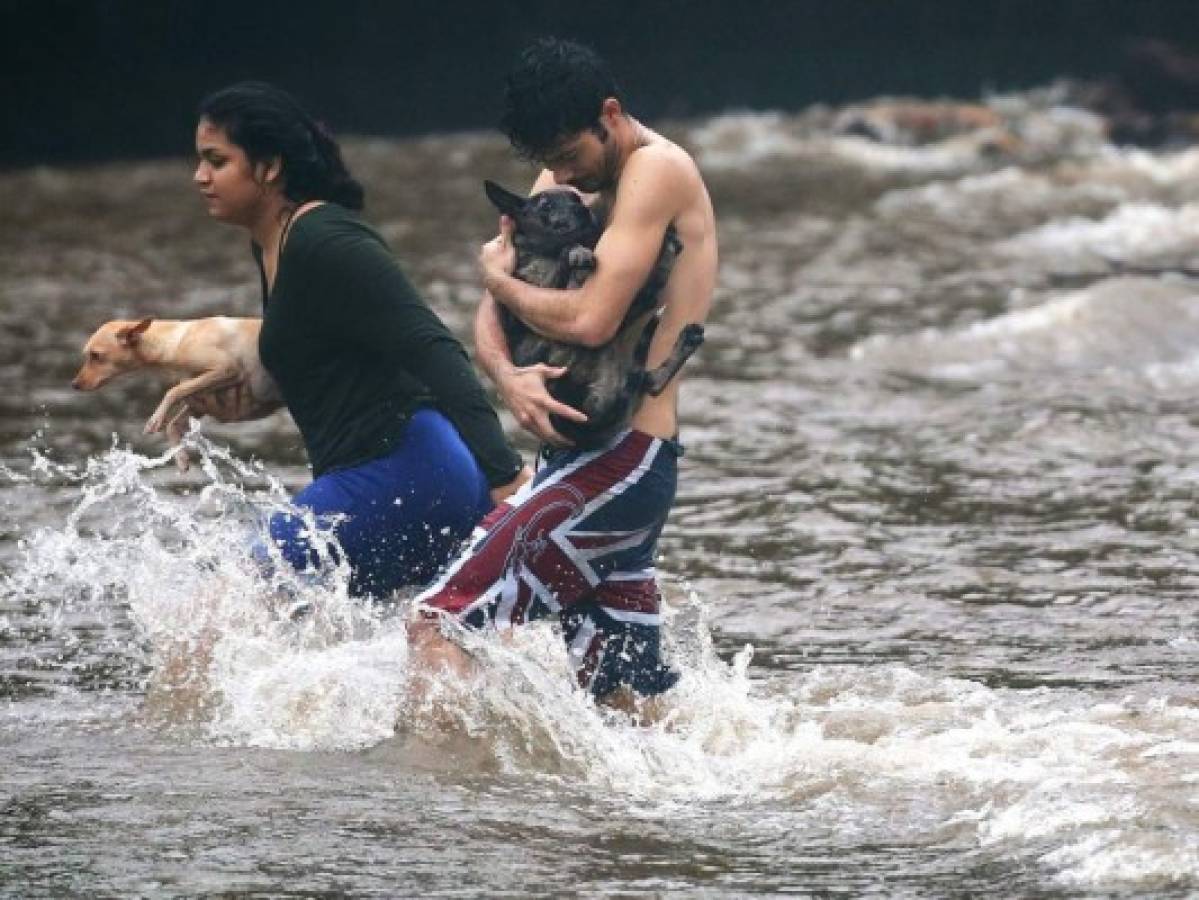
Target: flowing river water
931, 576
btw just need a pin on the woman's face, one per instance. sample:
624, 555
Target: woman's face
233, 190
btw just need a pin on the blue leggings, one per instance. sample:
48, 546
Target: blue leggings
403, 514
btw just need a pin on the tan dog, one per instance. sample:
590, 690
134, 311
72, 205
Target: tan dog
217, 356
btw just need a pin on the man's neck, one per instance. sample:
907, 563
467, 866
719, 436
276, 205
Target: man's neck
630, 137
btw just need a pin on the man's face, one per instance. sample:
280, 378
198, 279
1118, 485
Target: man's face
584, 161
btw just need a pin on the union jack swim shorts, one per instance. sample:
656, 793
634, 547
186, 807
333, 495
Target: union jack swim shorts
578, 543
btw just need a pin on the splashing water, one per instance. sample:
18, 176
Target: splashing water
195, 626
940, 472
172, 579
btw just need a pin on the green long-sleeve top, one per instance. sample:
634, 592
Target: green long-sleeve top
356, 351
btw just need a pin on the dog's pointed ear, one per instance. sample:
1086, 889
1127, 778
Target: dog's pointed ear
131, 334
505, 201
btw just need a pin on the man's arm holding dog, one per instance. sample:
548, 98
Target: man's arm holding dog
646, 202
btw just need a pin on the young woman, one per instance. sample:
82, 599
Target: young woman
406, 452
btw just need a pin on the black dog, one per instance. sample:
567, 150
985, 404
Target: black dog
555, 236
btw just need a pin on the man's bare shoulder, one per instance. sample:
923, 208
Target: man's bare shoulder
664, 169
664, 155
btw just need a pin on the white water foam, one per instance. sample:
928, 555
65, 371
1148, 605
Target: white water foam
997, 198
744, 139
877, 752
738, 139
1173, 170
1032, 128
1122, 324
172, 575
1137, 233
956, 154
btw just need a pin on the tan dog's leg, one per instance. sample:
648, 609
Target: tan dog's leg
175, 435
183, 390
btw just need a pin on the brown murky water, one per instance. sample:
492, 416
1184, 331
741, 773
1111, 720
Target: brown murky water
940, 474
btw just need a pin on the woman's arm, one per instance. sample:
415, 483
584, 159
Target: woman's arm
234, 403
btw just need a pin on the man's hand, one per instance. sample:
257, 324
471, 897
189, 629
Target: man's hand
504, 491
524, 392
498, 256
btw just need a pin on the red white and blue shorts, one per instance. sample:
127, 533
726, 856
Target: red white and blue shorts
577, 543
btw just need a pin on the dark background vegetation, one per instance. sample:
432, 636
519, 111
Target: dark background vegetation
95, 79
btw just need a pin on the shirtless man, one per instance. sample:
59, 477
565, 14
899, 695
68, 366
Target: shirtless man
579, 541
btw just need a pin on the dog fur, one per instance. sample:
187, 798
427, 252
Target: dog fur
209, 354
555, 237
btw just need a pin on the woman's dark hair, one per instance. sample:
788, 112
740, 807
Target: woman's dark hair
267, 122
557, 89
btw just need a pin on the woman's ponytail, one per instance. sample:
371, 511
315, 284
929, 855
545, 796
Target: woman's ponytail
267, 122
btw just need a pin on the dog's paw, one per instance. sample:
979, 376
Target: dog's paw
692, 337
581, 259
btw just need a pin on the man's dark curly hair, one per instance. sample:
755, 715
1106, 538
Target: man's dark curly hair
556, 89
